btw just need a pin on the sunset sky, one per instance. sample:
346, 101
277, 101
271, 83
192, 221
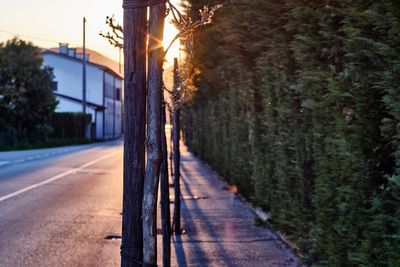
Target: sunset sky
48, 22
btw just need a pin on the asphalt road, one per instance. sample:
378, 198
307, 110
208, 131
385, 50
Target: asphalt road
57, 206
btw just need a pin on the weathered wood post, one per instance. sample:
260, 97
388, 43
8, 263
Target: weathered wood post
164, 187
155, 90
135, 35
177, 155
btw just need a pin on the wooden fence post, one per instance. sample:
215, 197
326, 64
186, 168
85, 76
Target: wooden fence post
165, 202
177, 155
135, 35
153, 143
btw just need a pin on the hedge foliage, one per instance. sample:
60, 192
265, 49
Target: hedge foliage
69, 125
62, 129
298, 103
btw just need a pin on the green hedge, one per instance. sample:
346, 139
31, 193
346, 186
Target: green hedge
64, 128
298, 103
69, 125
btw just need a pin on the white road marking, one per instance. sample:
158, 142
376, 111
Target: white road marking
55, 178
4, 162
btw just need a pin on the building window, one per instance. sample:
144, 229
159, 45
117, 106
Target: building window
109, 90
54, 86
118, 94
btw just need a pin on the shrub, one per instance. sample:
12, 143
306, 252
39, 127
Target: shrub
69, 125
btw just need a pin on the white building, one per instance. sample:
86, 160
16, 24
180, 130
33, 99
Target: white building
103, 88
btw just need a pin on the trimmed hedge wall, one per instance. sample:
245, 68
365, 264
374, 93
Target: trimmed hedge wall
69, 125
62, 129
298, 103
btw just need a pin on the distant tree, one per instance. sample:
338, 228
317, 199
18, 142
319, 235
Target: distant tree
26, 97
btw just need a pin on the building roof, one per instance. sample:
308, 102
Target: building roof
95, 59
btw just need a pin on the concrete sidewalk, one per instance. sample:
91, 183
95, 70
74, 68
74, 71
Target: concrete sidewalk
219, 227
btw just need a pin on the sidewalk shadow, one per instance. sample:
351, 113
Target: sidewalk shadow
202, 259
179, 250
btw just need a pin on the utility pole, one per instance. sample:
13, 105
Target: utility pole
119, 60
84, 68
135, 37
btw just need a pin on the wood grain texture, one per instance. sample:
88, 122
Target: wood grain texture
155, 87
177, 156
135, 31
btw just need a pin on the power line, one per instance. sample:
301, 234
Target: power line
29, 36
45, 40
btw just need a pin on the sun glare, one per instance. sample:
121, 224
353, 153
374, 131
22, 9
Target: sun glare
169, 33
